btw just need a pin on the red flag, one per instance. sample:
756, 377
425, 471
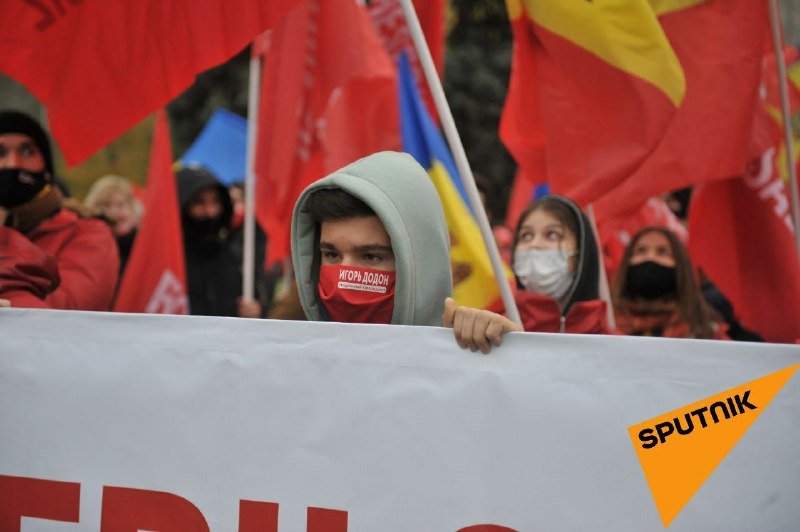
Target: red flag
741, 229
329, 97
155, 278
390, 23
607, 129
594, 86
742, 238
522, 192
720, 45
100, 67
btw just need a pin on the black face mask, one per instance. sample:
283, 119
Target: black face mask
650, 280
18, 186
207, 227
203, 235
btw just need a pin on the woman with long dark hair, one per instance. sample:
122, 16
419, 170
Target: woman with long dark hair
656, 292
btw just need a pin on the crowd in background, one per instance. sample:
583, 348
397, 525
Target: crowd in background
57, 253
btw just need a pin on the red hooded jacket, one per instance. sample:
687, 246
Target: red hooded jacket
66, 262
541, 313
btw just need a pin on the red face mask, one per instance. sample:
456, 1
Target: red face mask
357, 295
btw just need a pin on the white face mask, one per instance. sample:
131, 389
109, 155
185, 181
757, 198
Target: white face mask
544, 271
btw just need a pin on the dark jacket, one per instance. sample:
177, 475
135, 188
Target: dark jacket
214, 257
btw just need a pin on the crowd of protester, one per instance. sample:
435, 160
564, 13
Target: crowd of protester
378, 218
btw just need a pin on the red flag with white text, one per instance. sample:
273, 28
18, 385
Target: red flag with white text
100, 67
155, 278
741, 237
328, 98
741, 229
390, 23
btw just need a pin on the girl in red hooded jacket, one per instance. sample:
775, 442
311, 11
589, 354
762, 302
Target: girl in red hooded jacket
557, 269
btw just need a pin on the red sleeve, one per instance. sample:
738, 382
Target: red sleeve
88, 265
27, 273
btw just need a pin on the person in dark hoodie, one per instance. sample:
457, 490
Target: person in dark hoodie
557, 270
213, 252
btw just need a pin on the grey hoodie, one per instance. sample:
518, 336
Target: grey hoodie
400, 192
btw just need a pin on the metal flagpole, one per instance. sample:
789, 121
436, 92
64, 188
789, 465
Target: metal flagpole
248, 266
783, 84
460, 156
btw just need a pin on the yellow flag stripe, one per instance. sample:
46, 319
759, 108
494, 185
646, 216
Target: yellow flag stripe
624, 33
662, 7
479, 288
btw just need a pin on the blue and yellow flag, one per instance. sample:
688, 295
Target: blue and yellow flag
473, 277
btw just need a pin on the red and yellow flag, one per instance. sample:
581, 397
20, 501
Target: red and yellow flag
594, 86
627, 99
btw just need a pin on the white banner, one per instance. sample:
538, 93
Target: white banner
395, 428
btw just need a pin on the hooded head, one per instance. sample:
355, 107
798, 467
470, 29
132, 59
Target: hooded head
206, 208
583, 263
22, 124
399, 192
26, 172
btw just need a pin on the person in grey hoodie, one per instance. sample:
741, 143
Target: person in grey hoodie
370, 245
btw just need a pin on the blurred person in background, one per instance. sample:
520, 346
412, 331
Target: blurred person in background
112, 198
656, 291
213, 250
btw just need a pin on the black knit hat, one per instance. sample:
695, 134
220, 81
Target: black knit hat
16, 122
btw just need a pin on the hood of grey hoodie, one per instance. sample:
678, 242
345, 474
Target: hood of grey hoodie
401, 193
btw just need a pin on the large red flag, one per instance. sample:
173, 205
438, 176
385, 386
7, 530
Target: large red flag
155, 278
101, 66
605, 124
720, 44
742, 238
328, 98
741, 230
594, 86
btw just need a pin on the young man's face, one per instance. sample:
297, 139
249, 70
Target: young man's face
359, 241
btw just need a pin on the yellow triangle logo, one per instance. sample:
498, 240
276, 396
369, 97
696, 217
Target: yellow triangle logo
679, 450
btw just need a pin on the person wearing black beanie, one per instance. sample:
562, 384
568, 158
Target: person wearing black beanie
20, 123
49, 256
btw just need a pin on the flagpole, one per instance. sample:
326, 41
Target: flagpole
248, 261
783, 84
605, 291
460, 156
